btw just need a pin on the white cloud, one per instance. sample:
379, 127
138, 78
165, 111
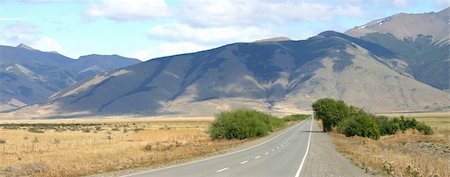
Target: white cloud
29, 34
224, 12
20, 32
168, 49
244, 12
400, 3
184, 32
142, 54
123, 10
442, 3
46, 43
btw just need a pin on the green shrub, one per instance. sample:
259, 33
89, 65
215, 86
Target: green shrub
243, 123
425, 129
86, 130
35, 130
387, 127
360, 124
405, 124
353, 121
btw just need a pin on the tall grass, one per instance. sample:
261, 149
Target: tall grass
76, 153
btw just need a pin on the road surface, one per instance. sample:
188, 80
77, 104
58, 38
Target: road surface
283, 155
325, 161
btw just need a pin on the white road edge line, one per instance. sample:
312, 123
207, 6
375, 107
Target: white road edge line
257, 157
244, 162
214, 157
307, 149
223, 169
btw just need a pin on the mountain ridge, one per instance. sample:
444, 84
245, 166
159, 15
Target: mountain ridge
278, 77
421, 42
378, 70
29, 76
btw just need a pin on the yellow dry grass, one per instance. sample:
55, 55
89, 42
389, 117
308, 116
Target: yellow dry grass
112, 146
407, 153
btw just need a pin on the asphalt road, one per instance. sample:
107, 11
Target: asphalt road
283, 155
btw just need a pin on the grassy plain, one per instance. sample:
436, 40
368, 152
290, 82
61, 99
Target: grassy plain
408, 153
83, 147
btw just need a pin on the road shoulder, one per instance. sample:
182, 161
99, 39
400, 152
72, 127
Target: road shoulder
324, 161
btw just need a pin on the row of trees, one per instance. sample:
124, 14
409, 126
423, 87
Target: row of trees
352, 121
246, 123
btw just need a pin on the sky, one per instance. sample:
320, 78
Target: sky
147, 29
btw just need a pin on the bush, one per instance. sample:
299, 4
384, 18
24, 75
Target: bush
86, 130
35, 130
387, 127
2, 141
353, 121
243, 123
360, 124
405, 124
425, 129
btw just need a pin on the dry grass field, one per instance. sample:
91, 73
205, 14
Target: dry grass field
407, 153
74, 148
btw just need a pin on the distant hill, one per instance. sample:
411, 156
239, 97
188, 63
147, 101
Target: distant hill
29, 76
421, 42
280, 77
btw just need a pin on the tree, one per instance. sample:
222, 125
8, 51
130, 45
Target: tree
331, 112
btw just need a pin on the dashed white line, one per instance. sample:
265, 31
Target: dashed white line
273, 150
257, 157
266, 153
278, 147
243, 162
213, 157
223, 169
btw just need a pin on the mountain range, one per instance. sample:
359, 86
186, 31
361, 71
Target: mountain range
398, 63
29, 76
420, 40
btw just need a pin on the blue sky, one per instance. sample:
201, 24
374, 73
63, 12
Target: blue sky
147, 29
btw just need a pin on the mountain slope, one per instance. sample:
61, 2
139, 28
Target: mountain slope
284, 76
408, 26
421, 42
30, 76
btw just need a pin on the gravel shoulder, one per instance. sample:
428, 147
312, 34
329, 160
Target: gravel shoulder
324, 161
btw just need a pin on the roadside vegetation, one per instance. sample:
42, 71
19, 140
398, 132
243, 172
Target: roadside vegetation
353, 121
409, 145
96, 146
247, 123
91, 146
